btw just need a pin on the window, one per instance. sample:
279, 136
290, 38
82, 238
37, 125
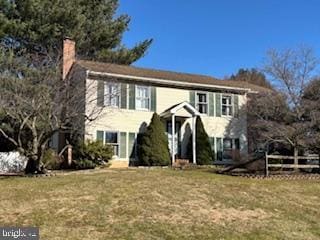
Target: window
112, 94
227, 107
142, 97
112, 138
202, 102
227, 148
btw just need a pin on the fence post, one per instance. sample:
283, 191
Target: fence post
266, 166
69, 155
296, 160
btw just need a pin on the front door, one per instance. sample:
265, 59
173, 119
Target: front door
177, 147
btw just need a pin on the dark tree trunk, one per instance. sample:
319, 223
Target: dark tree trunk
31, 167
34, 166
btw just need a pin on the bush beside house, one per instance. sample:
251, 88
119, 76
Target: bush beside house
153, 147
204, 153
51, 160
203, 149
91, 154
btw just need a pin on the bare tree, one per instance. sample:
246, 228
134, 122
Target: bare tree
311, 101
278, 116
37, 104
291, 71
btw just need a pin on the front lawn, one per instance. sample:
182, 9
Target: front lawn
161, 204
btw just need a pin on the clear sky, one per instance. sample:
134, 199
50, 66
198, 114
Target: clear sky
217, 37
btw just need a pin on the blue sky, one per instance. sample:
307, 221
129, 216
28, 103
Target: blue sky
217, 38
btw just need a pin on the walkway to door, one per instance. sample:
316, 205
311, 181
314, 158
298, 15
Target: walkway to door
174, 112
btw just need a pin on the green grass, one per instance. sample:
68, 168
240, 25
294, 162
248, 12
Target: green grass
161, 204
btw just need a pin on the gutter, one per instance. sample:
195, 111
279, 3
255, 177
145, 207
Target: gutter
168, 82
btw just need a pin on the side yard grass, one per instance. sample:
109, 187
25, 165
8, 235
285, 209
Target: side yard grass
161, 204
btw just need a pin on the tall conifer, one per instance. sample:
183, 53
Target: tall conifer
153, 146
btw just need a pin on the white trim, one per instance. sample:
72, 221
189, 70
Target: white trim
173, 138
170, 82
185, 105
180, 106
194, 147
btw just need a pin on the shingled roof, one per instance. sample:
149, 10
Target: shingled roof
110, 68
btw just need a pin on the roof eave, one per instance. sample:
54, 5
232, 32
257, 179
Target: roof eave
166, 81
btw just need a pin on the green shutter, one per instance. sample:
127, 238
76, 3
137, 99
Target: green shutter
132, 96
211, 139
100, 136
192, 99
123, 95
153, 99
123, 145
236, 105
211, 104
131, 147
100, 94
219, 149
218, 104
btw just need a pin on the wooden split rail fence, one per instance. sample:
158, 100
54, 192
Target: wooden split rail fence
295, 164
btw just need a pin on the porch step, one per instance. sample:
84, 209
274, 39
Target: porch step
119, 164
181, 162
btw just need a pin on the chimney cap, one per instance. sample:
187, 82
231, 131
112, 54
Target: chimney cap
68, 38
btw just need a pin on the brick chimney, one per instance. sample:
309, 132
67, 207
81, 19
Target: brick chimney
69, 56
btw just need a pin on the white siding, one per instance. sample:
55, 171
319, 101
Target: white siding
123, 120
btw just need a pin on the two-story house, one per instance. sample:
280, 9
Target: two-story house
127, 97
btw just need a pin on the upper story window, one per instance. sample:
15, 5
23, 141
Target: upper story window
112, 94
142, 97
202, 102
227, 107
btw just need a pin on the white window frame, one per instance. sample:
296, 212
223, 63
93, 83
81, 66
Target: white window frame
113, 144
197, 102
227, 105
107, 101
149, 97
